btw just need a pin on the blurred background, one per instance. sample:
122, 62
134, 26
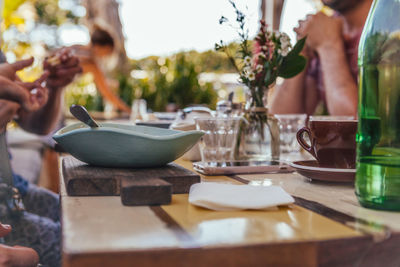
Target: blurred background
163, 50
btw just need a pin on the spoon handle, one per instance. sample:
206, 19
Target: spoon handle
82, 114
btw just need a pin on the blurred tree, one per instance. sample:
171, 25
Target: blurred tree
172, 80
31, 27
37, 21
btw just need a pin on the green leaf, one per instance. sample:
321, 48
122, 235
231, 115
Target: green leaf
270, 78
298, 46
267, 75
291, 66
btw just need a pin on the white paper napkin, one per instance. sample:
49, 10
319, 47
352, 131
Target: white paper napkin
223, 197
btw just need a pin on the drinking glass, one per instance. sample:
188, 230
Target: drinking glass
219, 138
289, 124
139, 110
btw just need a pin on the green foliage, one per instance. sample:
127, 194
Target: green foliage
170, 80
83, 92
125, 89
293, 63
49, 12
272, 56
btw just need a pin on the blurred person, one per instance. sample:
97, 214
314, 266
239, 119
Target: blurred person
102, 45
331, 72
37, 106
16, 256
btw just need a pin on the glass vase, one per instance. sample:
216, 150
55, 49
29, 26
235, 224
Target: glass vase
258, 136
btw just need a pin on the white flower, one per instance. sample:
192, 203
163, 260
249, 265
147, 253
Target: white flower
259, 68
285, 45
247, 60
285, 52
251, 76
277, 35
284, 36
246, 70
264, 47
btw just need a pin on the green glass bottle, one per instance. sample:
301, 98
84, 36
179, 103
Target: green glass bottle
378, 138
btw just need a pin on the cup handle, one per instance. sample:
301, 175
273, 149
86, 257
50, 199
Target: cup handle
303, 143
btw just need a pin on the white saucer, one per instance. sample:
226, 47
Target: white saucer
312, 170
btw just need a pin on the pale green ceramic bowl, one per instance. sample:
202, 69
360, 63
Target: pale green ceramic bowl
123, 145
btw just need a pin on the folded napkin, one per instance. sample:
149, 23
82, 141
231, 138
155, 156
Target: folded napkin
222, 197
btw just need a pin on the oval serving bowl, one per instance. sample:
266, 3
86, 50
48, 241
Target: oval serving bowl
123, 145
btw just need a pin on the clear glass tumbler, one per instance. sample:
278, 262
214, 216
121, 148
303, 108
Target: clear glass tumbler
219, 139
139, 110
289, 124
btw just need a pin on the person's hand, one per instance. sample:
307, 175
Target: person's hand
8, 70
321, 31
30, 96
16, 256
5, 229
62, 66
39, 93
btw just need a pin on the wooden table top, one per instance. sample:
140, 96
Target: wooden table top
325, 227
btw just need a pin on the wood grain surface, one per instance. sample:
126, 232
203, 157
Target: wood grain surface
324, 228
85, 180
145, 191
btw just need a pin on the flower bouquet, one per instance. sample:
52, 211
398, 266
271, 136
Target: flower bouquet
259, 63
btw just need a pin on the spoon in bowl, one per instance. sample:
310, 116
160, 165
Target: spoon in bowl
82, 114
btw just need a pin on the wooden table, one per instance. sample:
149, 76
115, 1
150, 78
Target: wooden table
325, 227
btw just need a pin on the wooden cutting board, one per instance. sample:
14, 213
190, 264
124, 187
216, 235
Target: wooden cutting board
152, 186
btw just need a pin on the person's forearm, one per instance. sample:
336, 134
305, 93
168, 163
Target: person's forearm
44, 120
289, 96
341, 89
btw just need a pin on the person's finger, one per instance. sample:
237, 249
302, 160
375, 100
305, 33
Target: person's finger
13, 91
42, 78
68, 71
5, 229
35, 84
66, 54
41, 96
27, 85
21, 64
69, 63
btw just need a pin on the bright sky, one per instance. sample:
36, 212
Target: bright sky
161, 27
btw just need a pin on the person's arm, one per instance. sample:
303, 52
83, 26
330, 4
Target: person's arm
325, 37
295, 95
61, 73
341, 89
